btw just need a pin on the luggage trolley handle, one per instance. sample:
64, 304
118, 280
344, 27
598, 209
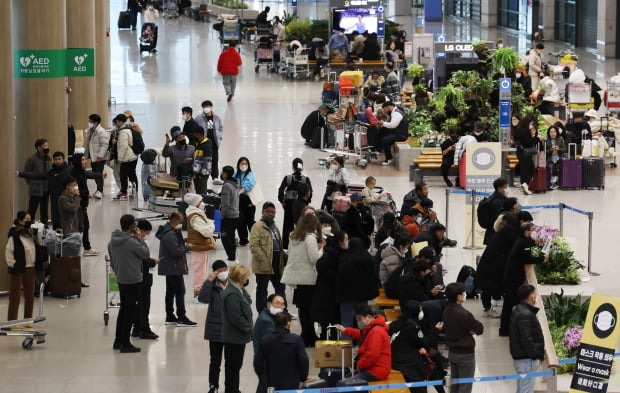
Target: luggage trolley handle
574, 155
338, 336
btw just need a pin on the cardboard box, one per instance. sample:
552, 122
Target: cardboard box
329, 353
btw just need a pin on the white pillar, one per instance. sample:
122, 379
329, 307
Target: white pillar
606, 28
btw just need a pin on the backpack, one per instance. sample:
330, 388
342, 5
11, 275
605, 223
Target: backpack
291, 186
148, 156
467, 275
392, 282
138, 142
485, 213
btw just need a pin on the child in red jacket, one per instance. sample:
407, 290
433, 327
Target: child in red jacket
374, 356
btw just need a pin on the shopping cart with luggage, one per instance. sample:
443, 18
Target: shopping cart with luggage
347, 139
297, 62
231, 30
579, 97
171, 9
112, 295
16, 328
264, 54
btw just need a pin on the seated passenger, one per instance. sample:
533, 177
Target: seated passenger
392, 257
392, 83
411, 224
390, 227
413, 345
371, 51
375, 79
375, 353
436, 238
357, 47
394, 130
339, 42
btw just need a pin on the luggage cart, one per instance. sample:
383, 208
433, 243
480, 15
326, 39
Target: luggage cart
297, 62
579, 97
171, 9
613, 99
14, 328
264, 54
231, 30
347, 139
111, 291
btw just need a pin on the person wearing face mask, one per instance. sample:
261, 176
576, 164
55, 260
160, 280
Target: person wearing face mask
151, 15
460, 326
305, 249
125, 156
282, 357
200, 234
96, 149
69, 206
514, 126
127, 250
325, 309
173, 264
288, 192
268, 259
338, 181
527, 139
38, 164
203, 156
247, 210
480, 133
189, 124
339, 42
236, 324
181, 154
20, 253
141, 324
211, 294
265, 324
392, 256
374, 356
522, 78
214, 130
413, 344
358, 221
304, 193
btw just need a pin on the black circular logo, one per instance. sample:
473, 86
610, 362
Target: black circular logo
604, 321
483, 159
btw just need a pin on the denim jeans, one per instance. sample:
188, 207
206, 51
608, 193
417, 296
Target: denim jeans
524, 366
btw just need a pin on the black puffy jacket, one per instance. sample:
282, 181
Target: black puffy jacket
526, 337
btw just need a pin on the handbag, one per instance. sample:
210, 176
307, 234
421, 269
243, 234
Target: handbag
255, 195
530, 151
430, 366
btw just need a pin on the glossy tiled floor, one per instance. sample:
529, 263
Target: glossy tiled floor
262, 123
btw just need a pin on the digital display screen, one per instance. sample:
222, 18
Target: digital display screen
356, 19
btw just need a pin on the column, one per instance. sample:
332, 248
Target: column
488, 13
40, 103
81, 34
102, 60
547, 20
7, 117
606, 34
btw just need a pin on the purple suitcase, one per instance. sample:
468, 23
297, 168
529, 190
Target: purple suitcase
571, 170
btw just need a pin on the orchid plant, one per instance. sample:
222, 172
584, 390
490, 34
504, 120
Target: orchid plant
562, 267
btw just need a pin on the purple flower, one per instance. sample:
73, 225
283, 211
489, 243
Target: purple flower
572, 337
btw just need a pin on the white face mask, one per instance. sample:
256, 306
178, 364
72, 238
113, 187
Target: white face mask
327, 230
222, 276
91, 125
150, 7
420, 315
341, 34
207, 110
517, 75
76, 188
464, 296
274, 310
243, 168
179, 226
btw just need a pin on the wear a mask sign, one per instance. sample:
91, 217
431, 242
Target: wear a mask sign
598, 344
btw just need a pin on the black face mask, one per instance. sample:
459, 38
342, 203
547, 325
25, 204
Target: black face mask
267, 220
27, 224
46, 151
181, 143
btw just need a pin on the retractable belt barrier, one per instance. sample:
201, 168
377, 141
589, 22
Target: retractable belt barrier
439, 382
560, 206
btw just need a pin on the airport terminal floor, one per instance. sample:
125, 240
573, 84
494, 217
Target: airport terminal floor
262, 122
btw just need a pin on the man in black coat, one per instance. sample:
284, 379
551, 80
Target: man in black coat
283, 356
314, 120
190, 125
500, 185
414, 197
527, 344
514, 275
358, 221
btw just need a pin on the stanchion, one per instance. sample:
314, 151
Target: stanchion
473, 224
562, 206
590, 219
447, 209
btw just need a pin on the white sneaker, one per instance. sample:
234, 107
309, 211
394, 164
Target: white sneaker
90, 253
217, 182
526, 189
386, 163
497, 303
98, 194
491, 313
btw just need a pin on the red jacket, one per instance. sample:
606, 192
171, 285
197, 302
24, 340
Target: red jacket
229, 62
411, 227
375, 352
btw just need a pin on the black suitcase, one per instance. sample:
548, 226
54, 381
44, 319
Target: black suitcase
65, 276
332, 375
124, 20
593, 172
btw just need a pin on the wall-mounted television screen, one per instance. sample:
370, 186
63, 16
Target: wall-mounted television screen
355, 19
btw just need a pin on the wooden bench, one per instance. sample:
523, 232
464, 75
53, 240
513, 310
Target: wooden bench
384, 301
391, 314
394, 377
429, 164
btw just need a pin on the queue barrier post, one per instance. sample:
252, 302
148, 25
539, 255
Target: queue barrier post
590, 221
447, 210
562, 206
472, 245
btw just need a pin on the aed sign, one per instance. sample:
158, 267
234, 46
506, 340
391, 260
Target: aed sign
54, 63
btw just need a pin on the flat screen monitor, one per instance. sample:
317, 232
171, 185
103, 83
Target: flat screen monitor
355, 19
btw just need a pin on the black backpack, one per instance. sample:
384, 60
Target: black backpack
138, 142
392, 283
485, 213
291, 186
467, 275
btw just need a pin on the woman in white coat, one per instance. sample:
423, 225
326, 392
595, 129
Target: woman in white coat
304, 250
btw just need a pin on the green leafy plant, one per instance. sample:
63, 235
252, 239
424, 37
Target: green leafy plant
562, 267
563, 310
234, 4
419, 123
415, 70
505, 59
287, 17
319, 28
483, 87
299, 29
450, 97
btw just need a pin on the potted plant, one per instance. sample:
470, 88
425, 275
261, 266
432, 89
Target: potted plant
505, 60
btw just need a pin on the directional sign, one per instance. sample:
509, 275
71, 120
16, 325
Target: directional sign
440, 37
504, 113
505, 88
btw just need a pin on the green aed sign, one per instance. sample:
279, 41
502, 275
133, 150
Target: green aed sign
54, 63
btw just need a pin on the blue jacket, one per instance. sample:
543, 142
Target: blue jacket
172, 250
264, 325
247, 181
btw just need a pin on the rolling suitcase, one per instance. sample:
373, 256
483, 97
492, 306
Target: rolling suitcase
540, 181
463, 171
124, 20
352, 380
593, 172
65, 276
570, 169
165, 205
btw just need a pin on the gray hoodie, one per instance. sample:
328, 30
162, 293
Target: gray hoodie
230, 199
126, 254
